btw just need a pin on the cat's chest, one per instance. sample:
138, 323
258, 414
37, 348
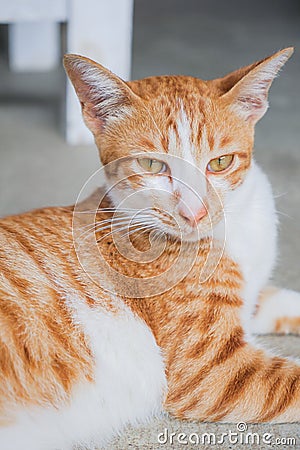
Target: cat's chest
250, 230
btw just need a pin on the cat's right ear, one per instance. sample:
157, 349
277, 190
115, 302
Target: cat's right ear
103, 95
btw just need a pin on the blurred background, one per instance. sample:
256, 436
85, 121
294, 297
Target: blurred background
203, 38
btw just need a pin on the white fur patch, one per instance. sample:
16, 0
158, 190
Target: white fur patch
184, 131
129, 387
251, 235
283, 303
188, 180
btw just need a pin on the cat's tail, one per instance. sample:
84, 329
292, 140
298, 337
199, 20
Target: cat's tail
224, 378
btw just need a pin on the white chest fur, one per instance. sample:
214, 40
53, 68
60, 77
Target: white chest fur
251, 233
129, 387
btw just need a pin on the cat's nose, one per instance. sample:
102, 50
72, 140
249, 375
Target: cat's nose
192, 218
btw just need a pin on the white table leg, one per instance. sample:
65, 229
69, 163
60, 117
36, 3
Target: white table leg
101, 30
34, 46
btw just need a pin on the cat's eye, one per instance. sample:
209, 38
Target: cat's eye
152, 165
220, 164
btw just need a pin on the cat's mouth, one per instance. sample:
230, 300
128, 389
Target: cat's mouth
182, 230
153, 220
189, 236
187, 233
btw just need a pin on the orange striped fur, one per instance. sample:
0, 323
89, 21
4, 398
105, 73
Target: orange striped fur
213, 373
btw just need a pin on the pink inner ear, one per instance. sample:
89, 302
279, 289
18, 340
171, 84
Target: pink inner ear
252, 102
92, 117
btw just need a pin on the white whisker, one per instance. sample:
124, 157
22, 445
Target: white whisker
280, 195
283, 214
111, 232
113, 221
136, 230
98, 226
114, 210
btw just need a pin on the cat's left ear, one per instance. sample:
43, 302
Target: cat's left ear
249, 96
103, 96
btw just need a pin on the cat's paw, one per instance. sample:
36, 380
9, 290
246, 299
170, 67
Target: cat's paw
288, 325
278, 312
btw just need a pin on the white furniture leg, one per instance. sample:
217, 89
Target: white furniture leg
34, 46
101, 30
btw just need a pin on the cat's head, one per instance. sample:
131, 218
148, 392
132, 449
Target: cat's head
174, 145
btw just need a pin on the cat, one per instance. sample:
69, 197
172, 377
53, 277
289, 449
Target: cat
94, 337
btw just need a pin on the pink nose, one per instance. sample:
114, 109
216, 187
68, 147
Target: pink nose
190, 218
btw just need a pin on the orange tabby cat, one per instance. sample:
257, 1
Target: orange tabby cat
141, 297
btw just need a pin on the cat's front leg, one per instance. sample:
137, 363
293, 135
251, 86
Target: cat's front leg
214, 371
220, 376
278, 311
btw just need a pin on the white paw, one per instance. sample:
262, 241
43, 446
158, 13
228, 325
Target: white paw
278, 313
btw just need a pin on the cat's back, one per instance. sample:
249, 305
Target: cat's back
24, 238
33, 247
42, 352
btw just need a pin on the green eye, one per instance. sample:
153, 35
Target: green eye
152, 165
220, 164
